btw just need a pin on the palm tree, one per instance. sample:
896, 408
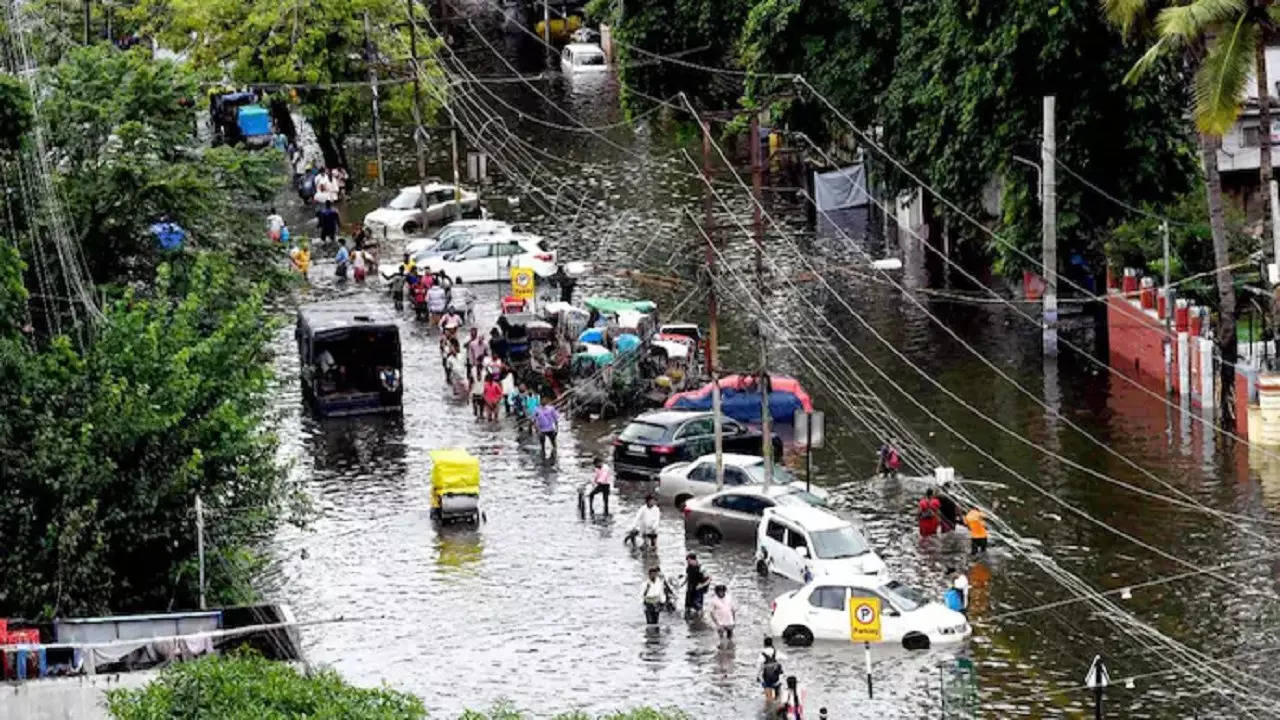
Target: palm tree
1225, 40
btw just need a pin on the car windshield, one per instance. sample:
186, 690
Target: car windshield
591, 59
781, 476
800, 497
904, 597
841, 542
640, 432
406, 200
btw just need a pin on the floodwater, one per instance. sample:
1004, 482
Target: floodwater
543, 608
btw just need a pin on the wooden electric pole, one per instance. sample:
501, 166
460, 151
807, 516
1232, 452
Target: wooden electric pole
713, 333
757, 225
417, 115
373, 83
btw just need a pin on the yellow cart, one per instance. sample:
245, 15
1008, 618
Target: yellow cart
455, 486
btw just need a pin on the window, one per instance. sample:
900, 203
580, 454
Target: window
566, 54
839, 543
730, 428
440, 196
1250, 136
776, 530
781, 476
827, 597
706, 472
643, 433
695, 428
754, 505
729, 502
903, 597
505, 250
590, 59
801, 497
796, 539
734, 476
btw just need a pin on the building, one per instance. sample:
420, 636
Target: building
1238, 161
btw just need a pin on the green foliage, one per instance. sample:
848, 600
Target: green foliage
102, 453
956, 86
244, 686
122, 127
15, 113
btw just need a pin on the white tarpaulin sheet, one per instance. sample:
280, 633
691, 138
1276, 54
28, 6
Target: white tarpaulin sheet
841, 189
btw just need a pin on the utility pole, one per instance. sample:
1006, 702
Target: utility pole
1168, 313
757, 224
1049, 247
417, 114
713, 333
546, 28
457, 188
86, 22
200, 545
373, 83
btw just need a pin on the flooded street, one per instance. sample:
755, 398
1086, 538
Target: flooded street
543, 608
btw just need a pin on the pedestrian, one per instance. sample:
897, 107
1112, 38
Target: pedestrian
601, 484
359, 264
436, 299
341, 259
792, 707
957, 596
565, 282
724, 613
329, 221
476, 348
646, 522
977, 531
301, 259
928, 513
275, 224
770, 672
477, 397
492, 394
546, 420
696, 582
655, 595
889, 461
498, 344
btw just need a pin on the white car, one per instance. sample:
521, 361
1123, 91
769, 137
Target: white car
583, 58
803, 543
492, 261
820, 611
682, 481
403, 215
457, 235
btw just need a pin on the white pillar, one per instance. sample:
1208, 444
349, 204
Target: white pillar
1207, 376
1184, 366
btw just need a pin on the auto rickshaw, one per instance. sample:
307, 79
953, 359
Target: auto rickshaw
455, 486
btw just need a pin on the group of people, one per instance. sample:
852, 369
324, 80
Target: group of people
938, 513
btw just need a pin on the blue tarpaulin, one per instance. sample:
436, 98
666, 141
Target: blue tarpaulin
254, 120
169, 236
591, 335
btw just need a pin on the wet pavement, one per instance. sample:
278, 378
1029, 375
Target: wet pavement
543, 608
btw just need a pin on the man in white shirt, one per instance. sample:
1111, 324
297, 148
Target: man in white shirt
275, 224
655, 596
646, 522
724, 613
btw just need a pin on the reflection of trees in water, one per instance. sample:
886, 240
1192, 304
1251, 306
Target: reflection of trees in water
357, 444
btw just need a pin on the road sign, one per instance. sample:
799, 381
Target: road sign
522, 283
864, 619
1097, 677
810, 426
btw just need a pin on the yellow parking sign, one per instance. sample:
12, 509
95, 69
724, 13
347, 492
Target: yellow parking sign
864, 619
522, 283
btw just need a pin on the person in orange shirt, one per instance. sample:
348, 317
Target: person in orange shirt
977, 531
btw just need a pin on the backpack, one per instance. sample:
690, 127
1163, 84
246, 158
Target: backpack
954, 600
771, 671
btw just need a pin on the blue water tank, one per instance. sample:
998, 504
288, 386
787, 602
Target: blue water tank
254, 120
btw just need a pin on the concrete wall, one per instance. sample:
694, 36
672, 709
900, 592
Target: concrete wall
1136, 340
72, 698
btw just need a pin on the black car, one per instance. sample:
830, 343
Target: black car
656, 439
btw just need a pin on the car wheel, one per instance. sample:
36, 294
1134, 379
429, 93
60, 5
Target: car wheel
915, 641
709, 536
797, 636
681, 500
410, 227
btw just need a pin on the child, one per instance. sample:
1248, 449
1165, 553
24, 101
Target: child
477, 397
492, 394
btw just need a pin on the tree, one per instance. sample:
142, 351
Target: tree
245, 686
318, 46
121, 127
1222, 39
954, 88
103, 451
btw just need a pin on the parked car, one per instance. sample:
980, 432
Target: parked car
733, 515
582, 57
660, 438
820, 611
457, 235
802, 543
403, 215
491, 260
430, 257
682, 481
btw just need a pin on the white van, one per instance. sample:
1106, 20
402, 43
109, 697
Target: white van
803, 543
582, 57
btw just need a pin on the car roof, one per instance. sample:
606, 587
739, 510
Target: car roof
429, 187
344, 313
810, 518
584, 47
739, 459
